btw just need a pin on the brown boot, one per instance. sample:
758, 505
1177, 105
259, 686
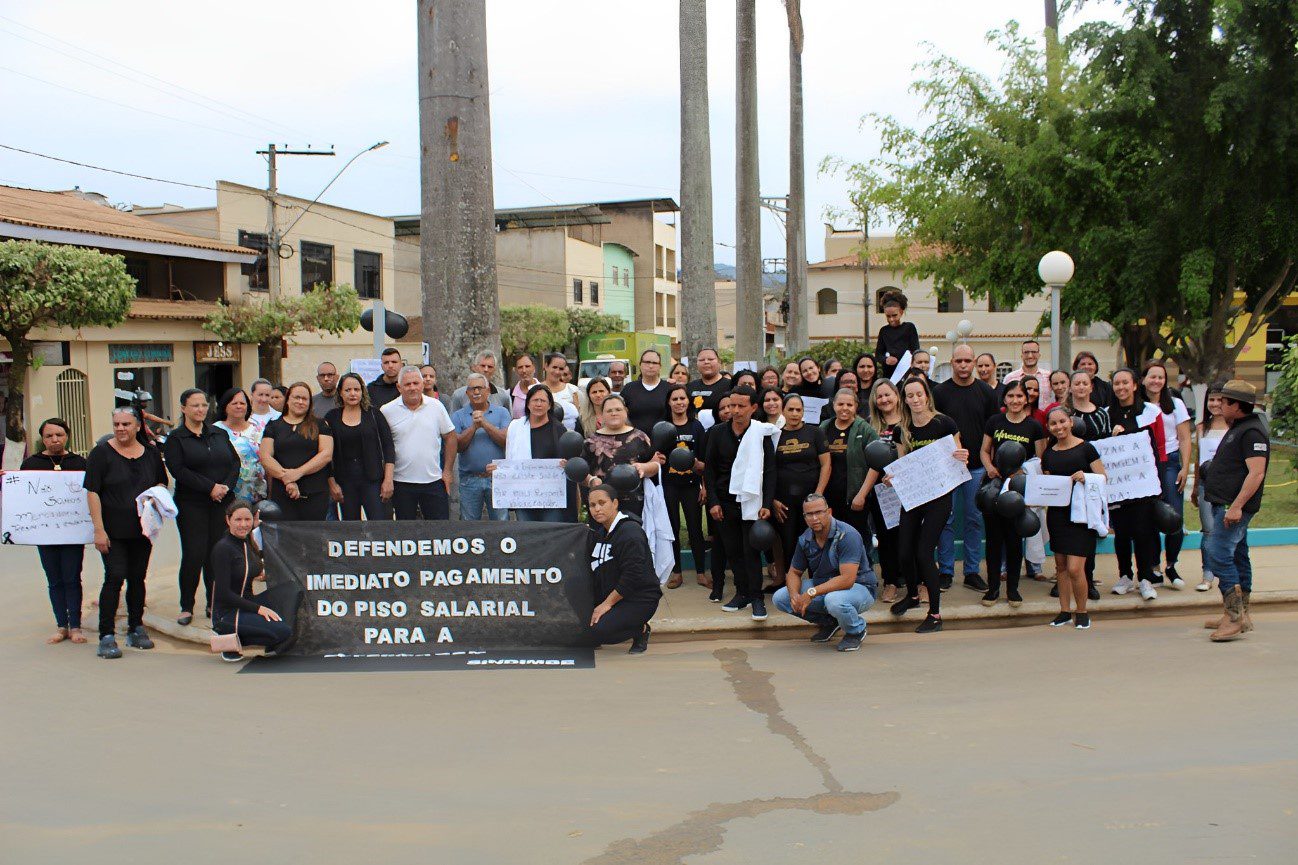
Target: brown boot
1232, 626
1215, 623
1248, 617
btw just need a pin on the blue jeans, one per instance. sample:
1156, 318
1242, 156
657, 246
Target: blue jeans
1227, 551
421, 501
973, 528
62, 565
475, 495
1167, 473
844, 607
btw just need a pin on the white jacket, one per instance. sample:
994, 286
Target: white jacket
658, 529
746, 474
1091, 504
154, 505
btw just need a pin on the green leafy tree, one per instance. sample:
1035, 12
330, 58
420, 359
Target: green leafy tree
333, 309
1165, 161
532, 329
587, 322
842, 349
1284, 398
42, 285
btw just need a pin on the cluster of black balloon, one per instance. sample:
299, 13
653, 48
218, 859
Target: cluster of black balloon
994, 497
571, 445
663, 437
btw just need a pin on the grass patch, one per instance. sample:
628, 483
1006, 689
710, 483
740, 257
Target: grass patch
1279, 496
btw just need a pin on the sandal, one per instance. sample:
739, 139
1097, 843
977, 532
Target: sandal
75, 635
57, 637
185, 619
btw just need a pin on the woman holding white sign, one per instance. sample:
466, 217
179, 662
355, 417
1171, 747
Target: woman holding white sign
535, 436
1133, 519
61, 562
1210, 432
921, 527
1074, 458
887, 420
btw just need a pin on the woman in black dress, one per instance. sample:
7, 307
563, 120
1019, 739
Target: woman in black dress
813, 383
118, 470
1082, 403
296, 451
1071, 457
206, 468
801, 468
61, 562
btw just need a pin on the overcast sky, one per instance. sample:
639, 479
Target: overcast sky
584, 97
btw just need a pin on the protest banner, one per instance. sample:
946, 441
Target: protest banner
813, 409
529, 484
1045, 491
1130, 466
889, 505
45, 507
923, 475
356, 589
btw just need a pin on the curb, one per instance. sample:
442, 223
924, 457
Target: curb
878, 621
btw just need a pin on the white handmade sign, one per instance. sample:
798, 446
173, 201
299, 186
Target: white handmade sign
813, 409
529, 484
706, 418
368, 368
1048, 491
45, 508
1130, 466
923, 475
902, 367
889, 505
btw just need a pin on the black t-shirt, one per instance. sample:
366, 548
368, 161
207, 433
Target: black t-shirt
1096, 423
293, 450
836, 442
1066, 463
645, 407
819, 389
545, 444
118, 480
939, 427
1246, 438
1026, 432
797, 461
348, 445
707, 396
688, 435
895, 342
891, 433
969, 406
43, 462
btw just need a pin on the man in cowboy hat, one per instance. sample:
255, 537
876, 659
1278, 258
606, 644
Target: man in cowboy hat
1233, 487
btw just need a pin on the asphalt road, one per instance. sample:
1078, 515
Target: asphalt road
1138, 741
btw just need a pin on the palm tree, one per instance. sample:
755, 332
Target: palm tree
698, 298
796, 218
750, 314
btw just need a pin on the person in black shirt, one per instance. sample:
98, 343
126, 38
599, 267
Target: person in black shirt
921, 526
646, 398
383, 389
706, 390
1004, 546
1072, 457
363, 456
1132, 519
206, 468
719, 463
622, 566
896, 337
1233, 488
1081, 403
296, 451
681, 489
801, 468
61, 562
813, 384
1101, 391
969, 402
236, 565
985, 368
117, 471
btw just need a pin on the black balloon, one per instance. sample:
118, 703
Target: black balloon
681, 459
1010, 457
762, 535
624, 478
1019, 483
663, 435
985, 498
1166, 519
270, 511
1079, 427
577, 469
879, 454
1027, 524
571, 444
1009, 504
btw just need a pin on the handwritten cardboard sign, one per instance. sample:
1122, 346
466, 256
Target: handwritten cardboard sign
45, 508
529, 484
925, 474
1130, 466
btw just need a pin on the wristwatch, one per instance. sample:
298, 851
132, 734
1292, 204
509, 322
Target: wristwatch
811, 592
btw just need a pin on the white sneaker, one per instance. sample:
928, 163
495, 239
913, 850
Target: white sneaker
1123, 585
1147, 591
1205, 586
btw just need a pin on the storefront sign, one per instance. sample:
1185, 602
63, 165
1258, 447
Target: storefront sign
140, 352
216, 352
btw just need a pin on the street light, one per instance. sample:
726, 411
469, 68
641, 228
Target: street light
1055, 270
964, 328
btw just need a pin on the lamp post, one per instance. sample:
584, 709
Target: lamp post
1055, 270
963, 329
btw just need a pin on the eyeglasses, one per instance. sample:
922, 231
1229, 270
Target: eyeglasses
820, 513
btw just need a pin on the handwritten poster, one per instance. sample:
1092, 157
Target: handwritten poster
1130, 466
529, 484
903, 365
45, 508
889, 505
813, 409
923, 475
1045, 491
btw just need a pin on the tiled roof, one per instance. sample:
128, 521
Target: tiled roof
877, 259
67, 211
179, 310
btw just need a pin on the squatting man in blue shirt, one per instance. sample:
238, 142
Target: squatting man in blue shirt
838, 585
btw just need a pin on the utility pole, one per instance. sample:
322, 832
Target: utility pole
272, 229
750, 317
698, 275
796, 225
1061, 342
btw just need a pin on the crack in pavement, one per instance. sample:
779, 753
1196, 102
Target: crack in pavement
702, 831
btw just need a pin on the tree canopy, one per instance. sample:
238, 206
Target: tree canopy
538, 329
1165, 162
43, 285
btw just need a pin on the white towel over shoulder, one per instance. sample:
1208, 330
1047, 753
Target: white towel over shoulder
746, 474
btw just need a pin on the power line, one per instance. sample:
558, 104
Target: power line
108, 170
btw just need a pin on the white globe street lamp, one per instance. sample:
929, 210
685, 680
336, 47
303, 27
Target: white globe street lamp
964, 328
1055, 270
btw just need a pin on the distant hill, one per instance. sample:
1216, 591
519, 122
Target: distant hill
769, 280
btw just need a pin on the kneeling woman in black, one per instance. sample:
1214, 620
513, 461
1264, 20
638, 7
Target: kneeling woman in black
1071, 457
236, 565
624, 574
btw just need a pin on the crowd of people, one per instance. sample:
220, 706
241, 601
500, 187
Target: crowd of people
777, 491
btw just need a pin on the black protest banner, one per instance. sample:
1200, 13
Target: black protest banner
380, 586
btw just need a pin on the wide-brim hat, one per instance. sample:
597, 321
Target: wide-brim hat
1240, 391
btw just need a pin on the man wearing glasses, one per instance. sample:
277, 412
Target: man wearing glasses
1030, 352
830, 582
480, 440
326, 375
646, 398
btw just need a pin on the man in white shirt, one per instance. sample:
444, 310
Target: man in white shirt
1030, 354
261, 411
417, 422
